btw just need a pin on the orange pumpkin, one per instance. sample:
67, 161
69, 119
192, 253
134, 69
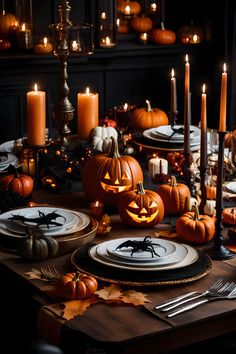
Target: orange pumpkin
229, 216
17, 182
163, 36
210, 192
107, 177
141, 207
145, 118
75, 286
6, 22
175, 196
141, 23
135, 7
195, 228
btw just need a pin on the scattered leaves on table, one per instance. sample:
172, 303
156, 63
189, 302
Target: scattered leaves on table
108, 294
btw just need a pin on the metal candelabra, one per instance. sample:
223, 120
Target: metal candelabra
63, 110
219, 250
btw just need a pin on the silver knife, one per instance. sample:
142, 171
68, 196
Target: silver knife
176, 299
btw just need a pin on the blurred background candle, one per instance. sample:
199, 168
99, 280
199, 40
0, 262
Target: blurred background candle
87, 113
36, 117
24, 37
223, 100
43, 48
96, 209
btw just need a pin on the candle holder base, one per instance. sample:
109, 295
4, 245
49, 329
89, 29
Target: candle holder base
220, 252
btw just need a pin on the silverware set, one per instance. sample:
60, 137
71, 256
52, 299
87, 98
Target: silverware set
218, 291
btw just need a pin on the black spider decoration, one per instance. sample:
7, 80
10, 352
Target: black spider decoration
41, 220
144, 245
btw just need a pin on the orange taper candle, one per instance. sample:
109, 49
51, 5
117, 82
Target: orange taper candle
203, 152
223, 100
87, 113
36, 117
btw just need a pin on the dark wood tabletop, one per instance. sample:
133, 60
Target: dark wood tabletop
125, 328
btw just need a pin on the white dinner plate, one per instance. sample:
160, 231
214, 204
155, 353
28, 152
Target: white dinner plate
166, 132
153, 135
75, 221
162, 248
231, 187
176, 257
191, 257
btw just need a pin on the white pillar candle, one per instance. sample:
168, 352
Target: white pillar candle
157, 166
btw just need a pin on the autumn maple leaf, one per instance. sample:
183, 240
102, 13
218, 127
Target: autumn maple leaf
112, 293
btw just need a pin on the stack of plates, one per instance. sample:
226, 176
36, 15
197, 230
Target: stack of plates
71, 228
165, 134
168, 255
5, 161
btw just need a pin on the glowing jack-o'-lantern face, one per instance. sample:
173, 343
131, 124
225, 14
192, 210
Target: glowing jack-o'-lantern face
143, 214
116, 185
141, 208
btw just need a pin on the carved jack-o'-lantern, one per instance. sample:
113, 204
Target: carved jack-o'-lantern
141, 207
107, 177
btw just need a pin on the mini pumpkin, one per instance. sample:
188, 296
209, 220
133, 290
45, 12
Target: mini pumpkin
163, 36
175, 196
107, 177
7, 21
141, 207
229, 216
195, 228
17, 182
37, 246
145, 118
76, 285
101, 134
141, 24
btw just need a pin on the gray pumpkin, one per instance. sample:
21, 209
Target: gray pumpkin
36, 246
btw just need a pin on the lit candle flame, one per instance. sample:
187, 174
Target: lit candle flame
172, 73
103, 15
35, 87
45, 41
107, 40
195, 38
203, 88
127, 10
186, 58
96, 204
125, 106
87, 91
153, 7
224, 67
143, 36
118, 22
23, 27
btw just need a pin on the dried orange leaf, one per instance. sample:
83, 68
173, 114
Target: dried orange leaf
112, 293
134, 297
77, 307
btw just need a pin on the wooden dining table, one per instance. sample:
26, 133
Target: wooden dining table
118, 327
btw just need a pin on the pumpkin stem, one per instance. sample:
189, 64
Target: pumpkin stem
162, 26
13, 170
196, 212
232, 211
149, 107
140, 188
114, 151
76, 277
173, 181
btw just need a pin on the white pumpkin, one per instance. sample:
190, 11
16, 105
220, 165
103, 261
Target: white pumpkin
101, 138
209, 208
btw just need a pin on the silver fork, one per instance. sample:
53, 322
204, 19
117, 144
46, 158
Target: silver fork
213, 291
50, 272
228, 293
216, 285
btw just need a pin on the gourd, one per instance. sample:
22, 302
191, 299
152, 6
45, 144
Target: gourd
99, 134
17, 182
175, 196
7, 21
229, 216
163, 36
107, 122
145, 118
76, 285
36, 246
141, 207
107, 177
195, 228
209, 208
141, 23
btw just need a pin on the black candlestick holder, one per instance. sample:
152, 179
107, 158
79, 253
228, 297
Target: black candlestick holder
219, 251
203, 171
188, 174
